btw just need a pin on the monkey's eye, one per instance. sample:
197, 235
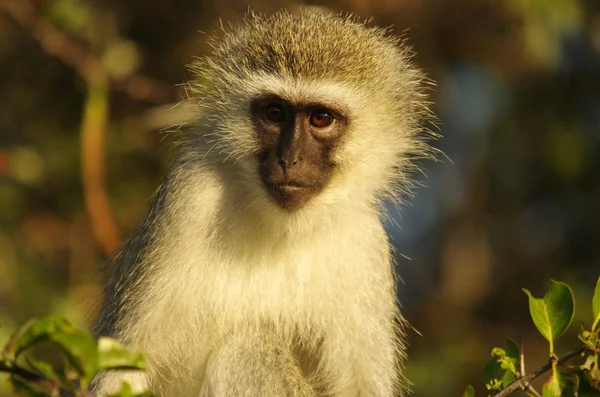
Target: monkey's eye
275, 113
320, 118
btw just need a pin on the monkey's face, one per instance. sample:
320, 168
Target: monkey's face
311, 111
296, 141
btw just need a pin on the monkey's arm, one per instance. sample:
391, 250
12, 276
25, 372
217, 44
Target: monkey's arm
362, 350
363, 361
254, 365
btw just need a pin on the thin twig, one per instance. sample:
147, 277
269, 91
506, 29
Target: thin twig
15, 337
22, 372
32, 376
523, 383
523, 371
94, 129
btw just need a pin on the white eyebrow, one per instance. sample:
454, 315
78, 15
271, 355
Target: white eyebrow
305, 90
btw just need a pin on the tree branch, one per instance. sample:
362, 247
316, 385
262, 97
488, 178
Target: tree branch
22, 372
32, 376
94, 129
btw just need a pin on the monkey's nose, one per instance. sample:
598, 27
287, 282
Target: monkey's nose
289, 159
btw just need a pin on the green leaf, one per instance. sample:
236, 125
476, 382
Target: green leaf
554, 385
470, 392
510, 360
51, 372
492, 375
80, 350
78, 346
33, 332
504, 366
113, 355
553, 313
587, 337
596, 305
512, 349
585, 389
591, 370
570, 389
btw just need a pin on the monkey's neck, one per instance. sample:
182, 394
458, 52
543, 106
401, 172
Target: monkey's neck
205, 204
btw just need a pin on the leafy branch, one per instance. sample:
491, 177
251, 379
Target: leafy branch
524, 383
82, 358
552, 315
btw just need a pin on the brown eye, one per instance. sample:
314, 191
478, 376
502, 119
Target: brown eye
321, 118
274, 113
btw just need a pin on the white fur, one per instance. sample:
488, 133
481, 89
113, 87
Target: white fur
230, 267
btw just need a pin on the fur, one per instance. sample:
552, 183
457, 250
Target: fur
228, 294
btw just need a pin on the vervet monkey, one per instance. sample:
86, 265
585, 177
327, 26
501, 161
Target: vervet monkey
262, 267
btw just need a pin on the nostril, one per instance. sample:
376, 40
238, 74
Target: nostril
283, 162
289, 159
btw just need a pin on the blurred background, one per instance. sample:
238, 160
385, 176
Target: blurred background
86, 88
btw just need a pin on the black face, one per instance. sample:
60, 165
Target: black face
296, 143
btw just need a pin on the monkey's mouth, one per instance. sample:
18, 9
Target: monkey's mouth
291, 186
292, 194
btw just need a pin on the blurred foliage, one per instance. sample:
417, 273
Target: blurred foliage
70, 367
518, 99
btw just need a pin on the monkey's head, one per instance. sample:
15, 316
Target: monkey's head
313, 108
